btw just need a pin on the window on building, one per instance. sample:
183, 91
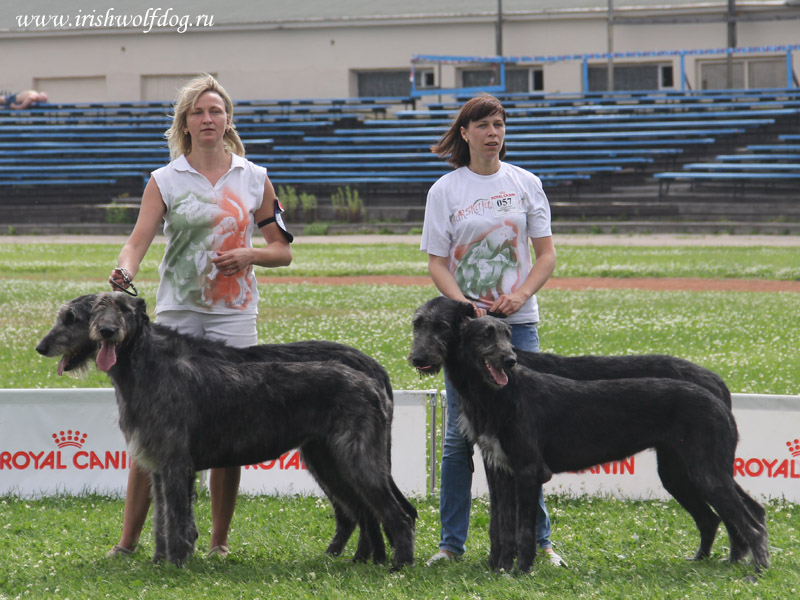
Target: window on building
479, 78
157, 88
748, 73
524, 79
714, 75
518, 79
393, 82
766, 73
632, 77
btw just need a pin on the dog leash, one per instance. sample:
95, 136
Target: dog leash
126, 277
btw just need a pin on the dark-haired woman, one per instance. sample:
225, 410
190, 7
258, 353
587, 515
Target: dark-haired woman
479, 221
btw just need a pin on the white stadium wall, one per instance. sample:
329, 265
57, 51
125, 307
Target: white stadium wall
319, 59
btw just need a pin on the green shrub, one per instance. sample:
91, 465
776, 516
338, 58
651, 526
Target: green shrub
348, 205
289, 200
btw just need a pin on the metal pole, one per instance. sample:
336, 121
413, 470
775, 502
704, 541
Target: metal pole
610, 68
433, 464
731, 41
498, 34
683, 72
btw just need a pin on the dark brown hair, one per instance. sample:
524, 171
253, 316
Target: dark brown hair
451, 145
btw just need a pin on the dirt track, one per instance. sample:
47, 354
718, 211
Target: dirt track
574, 283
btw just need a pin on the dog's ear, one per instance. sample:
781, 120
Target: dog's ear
467, 310
140, 309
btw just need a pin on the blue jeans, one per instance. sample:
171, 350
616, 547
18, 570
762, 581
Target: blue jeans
455, 498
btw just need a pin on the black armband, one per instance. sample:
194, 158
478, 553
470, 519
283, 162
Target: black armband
276, 218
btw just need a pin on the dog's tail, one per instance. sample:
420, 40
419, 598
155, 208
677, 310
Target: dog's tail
408, 508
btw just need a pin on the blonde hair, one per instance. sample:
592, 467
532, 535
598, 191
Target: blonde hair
179, 141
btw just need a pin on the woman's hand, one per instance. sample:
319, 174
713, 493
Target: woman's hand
231, 262
120, 278
508, 304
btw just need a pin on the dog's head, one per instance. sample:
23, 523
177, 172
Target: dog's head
486, 346
69, 337
114, 320
437, 325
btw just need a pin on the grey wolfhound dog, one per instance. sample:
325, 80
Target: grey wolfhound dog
533, 418
188, 404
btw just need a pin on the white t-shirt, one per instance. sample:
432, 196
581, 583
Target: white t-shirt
201, 220
482, 224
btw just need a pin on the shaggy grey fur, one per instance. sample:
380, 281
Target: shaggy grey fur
530, 424
187, 404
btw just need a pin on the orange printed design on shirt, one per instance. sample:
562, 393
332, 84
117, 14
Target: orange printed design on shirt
229, 231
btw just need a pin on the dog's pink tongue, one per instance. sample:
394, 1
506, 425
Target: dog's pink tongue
107, 357
499, 376
62, 364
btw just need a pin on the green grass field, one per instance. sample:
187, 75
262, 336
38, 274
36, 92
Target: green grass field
54, 547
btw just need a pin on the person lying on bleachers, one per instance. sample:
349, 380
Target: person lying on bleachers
22, 100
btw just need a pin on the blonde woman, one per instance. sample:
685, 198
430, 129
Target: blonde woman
210, 199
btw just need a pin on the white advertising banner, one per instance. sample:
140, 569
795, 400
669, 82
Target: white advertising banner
288, 475
767, 460
68, 441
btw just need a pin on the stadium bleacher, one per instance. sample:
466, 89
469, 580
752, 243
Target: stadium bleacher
581, 145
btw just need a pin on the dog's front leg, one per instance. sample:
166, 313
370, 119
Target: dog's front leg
502, 518
159, 518
191, 527
176, 479
528, 489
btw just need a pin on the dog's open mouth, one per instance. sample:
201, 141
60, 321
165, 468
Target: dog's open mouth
427, 369
107, 356
64, 364
75, 360
499, 375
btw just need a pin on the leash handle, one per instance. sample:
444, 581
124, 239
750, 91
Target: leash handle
126, 278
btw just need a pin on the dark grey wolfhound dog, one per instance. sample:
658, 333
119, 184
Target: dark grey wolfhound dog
187, 404
534, 415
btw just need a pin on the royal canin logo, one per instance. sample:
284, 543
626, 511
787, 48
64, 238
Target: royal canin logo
291, 461
794, 447
772, 468
56, 460
70, 438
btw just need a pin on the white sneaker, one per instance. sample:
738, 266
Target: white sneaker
439, 556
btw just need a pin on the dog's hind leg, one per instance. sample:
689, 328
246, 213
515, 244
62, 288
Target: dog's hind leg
348, 505
756, 513
675, 478
741, 524
345, 526
398, 523
378, 493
